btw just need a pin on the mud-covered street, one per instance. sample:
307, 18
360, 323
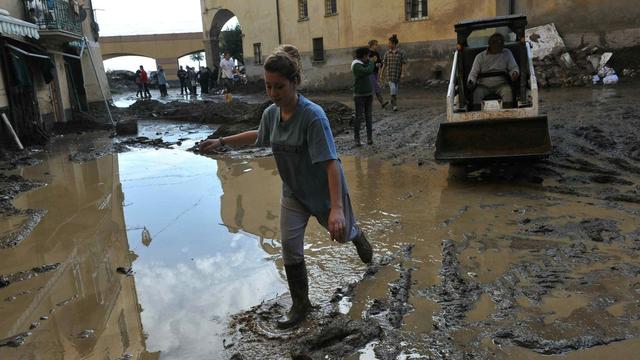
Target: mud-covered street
120, 247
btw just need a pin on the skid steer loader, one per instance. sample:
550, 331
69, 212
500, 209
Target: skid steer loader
493, 131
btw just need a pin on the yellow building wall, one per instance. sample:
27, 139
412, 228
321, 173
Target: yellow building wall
356, 22
258, 21
166, 49
93, 80
93, 83
428, 42
62, 81
359, 21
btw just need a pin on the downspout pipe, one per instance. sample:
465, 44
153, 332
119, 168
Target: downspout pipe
278, 20
85, 43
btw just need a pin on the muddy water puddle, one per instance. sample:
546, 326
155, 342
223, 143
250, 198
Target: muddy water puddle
150, 252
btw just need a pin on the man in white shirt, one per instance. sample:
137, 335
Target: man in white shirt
490, 70
226, 72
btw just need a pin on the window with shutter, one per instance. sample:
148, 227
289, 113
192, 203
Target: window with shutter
303, 10
257, 53
416, 9
331, 7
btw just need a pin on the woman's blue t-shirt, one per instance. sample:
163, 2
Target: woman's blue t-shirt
301, 147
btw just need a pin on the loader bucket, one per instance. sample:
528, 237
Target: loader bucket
493, 139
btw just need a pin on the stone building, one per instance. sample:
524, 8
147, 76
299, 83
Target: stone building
51, 65
327, 31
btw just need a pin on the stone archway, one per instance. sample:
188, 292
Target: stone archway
212, 46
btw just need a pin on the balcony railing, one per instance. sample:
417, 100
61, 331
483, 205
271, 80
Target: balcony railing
54, 15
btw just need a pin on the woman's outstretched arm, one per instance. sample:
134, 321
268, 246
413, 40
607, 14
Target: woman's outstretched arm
245, 138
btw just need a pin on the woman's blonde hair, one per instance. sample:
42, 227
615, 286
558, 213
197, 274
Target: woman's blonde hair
285, 60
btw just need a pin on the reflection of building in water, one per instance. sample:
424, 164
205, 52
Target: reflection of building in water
251, 199
251, 196
84, 230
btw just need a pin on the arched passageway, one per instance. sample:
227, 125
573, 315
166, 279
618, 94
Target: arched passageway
164, 48
220, 19
189, 60
129, 62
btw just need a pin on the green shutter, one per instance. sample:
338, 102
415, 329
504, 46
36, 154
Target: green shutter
407, 9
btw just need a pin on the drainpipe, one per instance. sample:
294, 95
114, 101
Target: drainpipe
512, 7
85, 43
278, 20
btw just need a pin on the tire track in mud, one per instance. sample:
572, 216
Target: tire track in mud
10, 187
550, 267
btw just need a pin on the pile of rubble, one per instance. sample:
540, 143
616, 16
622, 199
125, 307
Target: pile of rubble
581, 67
234, 117
121, 81
556, 65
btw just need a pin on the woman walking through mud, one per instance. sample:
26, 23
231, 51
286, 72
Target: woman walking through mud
299, 134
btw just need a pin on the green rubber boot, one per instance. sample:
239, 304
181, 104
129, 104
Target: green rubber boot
299, 289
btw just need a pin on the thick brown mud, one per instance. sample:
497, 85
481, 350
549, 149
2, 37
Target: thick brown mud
160, 253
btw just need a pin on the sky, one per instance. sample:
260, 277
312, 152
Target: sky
137, 17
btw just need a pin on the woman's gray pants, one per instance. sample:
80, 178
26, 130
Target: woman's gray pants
294, 218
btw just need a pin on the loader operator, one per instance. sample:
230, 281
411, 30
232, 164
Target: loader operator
490, 71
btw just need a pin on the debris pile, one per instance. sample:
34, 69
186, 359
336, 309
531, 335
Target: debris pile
121, 81
575, 68
233, 117
556, 65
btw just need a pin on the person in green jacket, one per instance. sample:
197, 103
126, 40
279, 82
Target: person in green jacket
362, 68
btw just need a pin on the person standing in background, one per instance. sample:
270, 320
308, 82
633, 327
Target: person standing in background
138, 82
393, 69
213, 77
182, 75
162, 82
377, 59
362, 68
144, 79
203, 79
192, 81
227, 67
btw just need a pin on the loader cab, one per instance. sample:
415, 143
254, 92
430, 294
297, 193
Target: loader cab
497, 131
478, 42
472, 39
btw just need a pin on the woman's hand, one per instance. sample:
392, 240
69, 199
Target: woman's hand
209, 145
337, 224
